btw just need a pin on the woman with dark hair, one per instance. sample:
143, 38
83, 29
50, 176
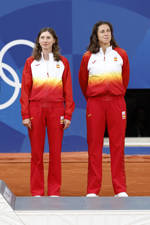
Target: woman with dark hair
103, 77
46, 102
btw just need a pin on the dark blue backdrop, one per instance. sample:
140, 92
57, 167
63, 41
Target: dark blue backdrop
73, 21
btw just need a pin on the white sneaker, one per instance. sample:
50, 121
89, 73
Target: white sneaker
91, 195
121, 194
53, 196
37, 196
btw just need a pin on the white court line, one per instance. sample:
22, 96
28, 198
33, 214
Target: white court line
132, 142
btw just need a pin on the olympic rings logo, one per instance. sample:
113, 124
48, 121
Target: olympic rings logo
16, 83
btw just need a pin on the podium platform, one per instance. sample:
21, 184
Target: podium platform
72, 210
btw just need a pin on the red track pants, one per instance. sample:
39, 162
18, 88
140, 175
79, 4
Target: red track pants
101, 112
46, 115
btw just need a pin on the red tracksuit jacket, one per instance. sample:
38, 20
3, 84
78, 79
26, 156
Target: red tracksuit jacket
104, 74
47, 81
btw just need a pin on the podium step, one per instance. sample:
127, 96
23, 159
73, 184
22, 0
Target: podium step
82, 203
72, 210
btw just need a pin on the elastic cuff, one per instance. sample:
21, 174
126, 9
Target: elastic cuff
25, 117
68, 117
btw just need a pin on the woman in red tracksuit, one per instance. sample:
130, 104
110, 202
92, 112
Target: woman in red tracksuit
103, 77
46, 102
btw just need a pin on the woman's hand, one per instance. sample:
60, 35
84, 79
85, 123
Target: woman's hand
27, 123
66, 123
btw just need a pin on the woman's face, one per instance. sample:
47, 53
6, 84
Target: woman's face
46, 41
104, 35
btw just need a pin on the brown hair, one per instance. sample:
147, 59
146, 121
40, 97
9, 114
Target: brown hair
55, 48
94, 43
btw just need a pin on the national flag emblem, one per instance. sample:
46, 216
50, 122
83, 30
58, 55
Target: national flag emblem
57, 66
115, 59
61, 119
123, 115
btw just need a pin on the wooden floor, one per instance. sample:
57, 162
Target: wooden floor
15, 172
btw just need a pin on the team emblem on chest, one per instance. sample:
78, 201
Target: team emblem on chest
57, 66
